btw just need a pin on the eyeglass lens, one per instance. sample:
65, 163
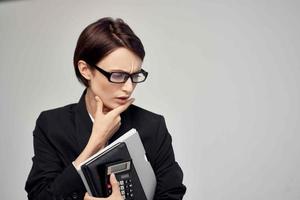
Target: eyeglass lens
122, 77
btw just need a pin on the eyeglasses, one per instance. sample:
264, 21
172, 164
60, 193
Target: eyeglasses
122, 77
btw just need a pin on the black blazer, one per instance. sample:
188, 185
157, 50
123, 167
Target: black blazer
62, 133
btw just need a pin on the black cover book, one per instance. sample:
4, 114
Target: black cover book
96, 174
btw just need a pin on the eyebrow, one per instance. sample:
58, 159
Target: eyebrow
120, 70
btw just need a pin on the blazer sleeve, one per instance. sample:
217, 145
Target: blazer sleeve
49, 178
168, 173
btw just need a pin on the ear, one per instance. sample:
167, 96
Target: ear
84, 69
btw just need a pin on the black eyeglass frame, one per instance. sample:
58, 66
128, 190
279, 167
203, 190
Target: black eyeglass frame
108, 75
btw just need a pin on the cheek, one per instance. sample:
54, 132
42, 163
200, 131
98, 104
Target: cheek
105, 90
134, 85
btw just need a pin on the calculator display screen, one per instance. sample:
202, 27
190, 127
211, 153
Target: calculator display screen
118, 167
125, 176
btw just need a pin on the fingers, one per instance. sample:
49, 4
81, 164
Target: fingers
119, 120
99, 104
116, 194
88, 197
123, 107
117, 110
115, 129
115, 185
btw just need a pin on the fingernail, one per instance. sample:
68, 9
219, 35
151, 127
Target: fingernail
113, 176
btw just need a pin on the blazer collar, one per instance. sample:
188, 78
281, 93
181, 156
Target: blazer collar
84, 124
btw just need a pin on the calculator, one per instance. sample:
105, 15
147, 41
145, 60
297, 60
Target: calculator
115, 160
123, 173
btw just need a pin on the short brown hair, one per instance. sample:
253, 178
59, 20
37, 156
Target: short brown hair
102, 37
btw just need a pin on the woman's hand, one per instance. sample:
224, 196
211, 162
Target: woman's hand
105, 125
115, 195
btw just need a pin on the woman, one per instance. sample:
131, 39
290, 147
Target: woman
107, 61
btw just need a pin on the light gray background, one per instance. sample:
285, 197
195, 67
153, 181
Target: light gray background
225, 74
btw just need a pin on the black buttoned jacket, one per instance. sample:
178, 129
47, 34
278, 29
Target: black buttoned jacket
61, 134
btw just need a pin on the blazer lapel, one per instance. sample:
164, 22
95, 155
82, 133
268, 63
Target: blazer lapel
83, 123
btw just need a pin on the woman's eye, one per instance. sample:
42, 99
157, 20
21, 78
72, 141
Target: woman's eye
118, 75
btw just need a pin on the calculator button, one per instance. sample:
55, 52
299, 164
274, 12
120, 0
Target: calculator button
121, 182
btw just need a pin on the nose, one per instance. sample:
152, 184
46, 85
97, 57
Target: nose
128, 86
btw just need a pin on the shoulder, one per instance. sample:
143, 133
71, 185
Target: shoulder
149, 124
56, 117
59, 112
56, 126
142, 111
141, 114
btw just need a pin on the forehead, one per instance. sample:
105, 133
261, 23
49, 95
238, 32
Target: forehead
121, 59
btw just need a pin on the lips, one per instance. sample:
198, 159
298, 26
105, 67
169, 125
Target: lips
122, 100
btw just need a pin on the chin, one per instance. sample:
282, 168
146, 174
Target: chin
111, 106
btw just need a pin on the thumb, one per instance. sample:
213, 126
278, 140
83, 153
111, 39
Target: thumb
99, 104
114, 184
